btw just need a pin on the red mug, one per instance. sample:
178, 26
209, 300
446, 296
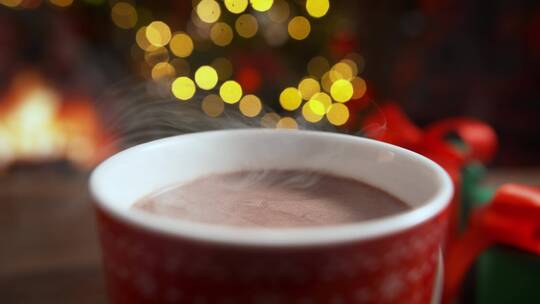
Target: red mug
152, 259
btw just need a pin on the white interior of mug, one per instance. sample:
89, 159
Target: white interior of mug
134, 173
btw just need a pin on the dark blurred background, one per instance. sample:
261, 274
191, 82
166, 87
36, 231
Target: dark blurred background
436, 58
59, 58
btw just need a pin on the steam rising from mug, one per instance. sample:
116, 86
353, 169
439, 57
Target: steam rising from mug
138, 112
142, 112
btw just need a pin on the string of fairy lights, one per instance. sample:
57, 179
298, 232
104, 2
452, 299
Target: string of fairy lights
322, 93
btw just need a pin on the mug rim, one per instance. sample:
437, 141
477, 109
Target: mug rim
275, 236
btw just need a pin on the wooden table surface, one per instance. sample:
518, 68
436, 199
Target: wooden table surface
49, 251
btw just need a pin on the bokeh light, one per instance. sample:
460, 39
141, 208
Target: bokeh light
142, 41
212, 105
236, 6
261, 5
124, 15
246, 26
341, 70
299, 28
338, 114
199, 24
341, 90
324, 99
270, 120
181, 44
11, 3
290, 99
326, 82
183, 88
279, 12
158, 33
334, 75
317, 66
352, 65
359, 87
317, 8
206, 77
230, 91
221, 34
287, 123
308, 113
250, 105
163, 70
60, 3
208, 11
316, 107
223, 67
308, 87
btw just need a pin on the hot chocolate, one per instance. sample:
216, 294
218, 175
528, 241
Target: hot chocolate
275, 198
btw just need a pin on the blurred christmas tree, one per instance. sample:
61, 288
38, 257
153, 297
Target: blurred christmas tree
292, 56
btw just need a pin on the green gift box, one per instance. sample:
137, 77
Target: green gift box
501, 274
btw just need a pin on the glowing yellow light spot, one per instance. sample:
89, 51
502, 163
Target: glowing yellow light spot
324, 99
334, 75
208, 11
236, 6
181, 45
159, 54
11, 3
124, 15
230, 91
213, 105
326, 82
250, 105
308, 113
341, 70
206, 77
287, 123
317, 8
308, 87
141, 40
299, 28
261, 5
223, 67
181, 66
60, 3
338, 114
270, 120
359, 86
317, 66
279, 11
290, 99
221, 34
246, 26
183, 88
158, 33
197, 21
341, 90
352, 65
316, 107
163, 70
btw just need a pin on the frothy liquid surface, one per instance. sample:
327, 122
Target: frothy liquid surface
277, 198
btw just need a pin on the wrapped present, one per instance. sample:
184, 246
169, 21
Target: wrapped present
499, 230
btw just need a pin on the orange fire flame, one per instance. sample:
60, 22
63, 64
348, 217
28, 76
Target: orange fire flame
36, 124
